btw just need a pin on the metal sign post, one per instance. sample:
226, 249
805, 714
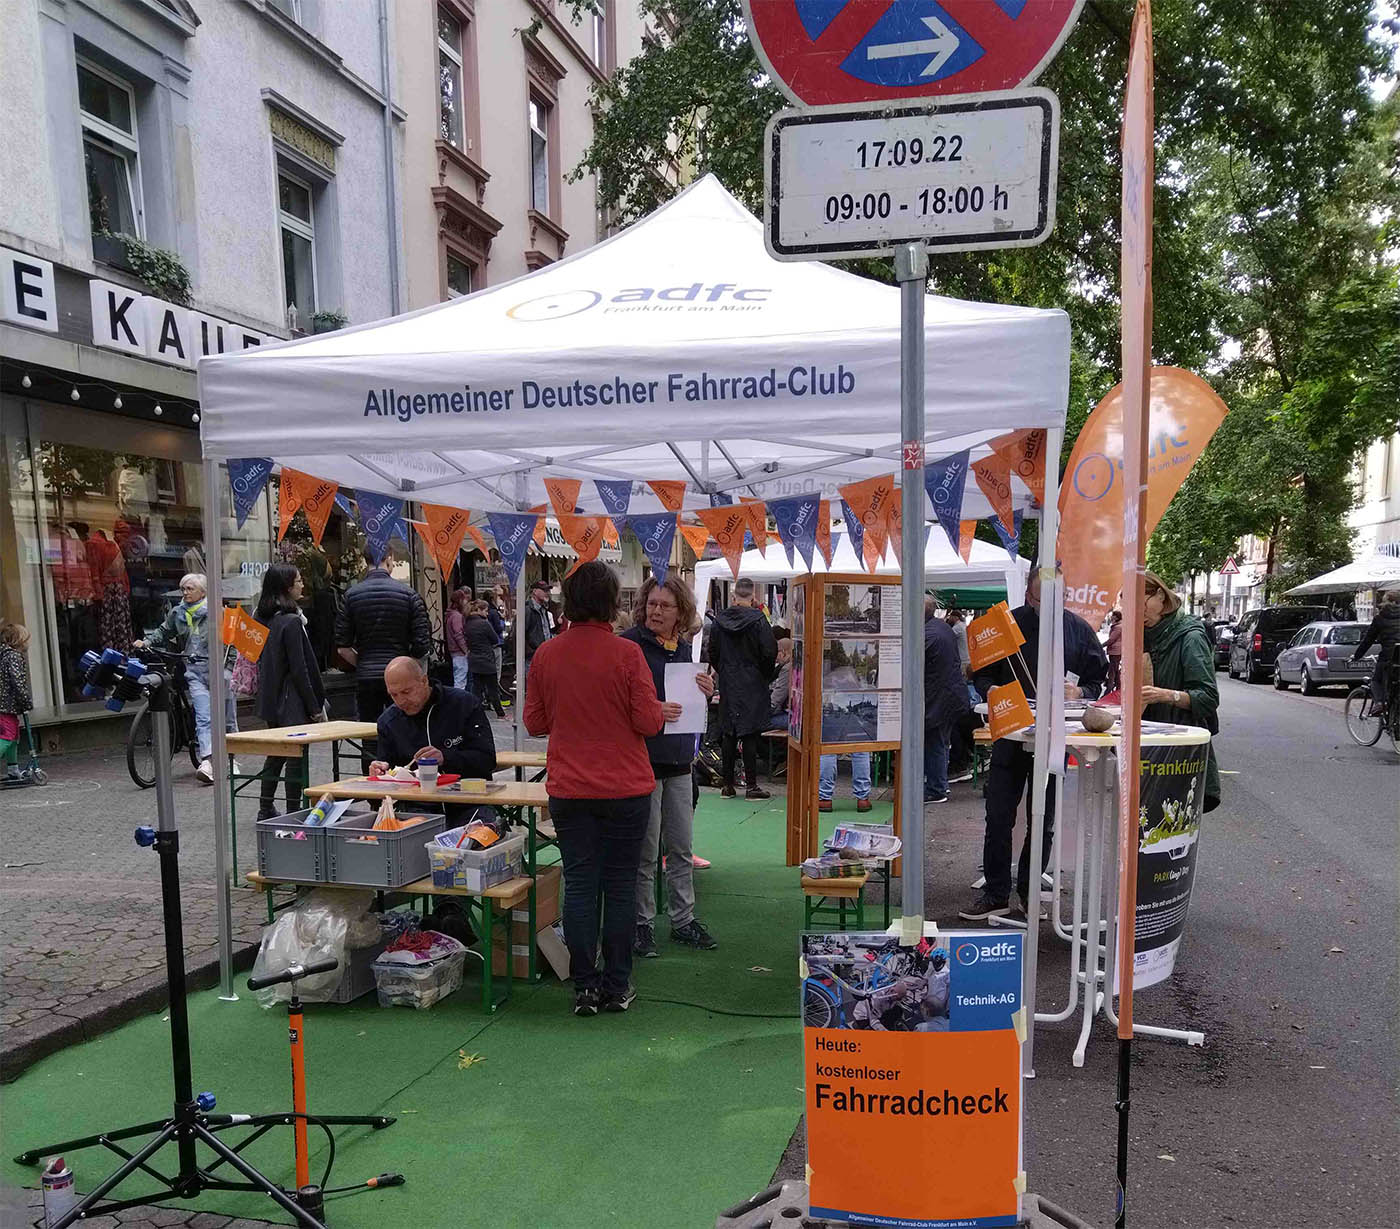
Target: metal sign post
911, 271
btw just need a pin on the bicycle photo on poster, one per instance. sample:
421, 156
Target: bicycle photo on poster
868, 981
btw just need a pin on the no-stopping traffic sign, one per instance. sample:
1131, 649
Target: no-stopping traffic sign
828, 51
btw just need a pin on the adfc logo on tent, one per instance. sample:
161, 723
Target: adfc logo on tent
720, 296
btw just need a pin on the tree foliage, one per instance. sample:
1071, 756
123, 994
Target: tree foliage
1274, 237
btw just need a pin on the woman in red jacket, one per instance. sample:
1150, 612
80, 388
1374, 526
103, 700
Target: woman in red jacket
592, 693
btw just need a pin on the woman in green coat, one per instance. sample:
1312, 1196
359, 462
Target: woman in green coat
1183, 672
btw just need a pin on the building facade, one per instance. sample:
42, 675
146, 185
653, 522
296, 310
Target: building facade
180, 179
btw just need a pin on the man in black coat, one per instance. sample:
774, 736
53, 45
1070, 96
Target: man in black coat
945, 700
1010, 774
427, 718
1384, 631
382, 619
744, 657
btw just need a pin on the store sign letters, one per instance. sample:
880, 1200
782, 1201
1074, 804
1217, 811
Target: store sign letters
122, 319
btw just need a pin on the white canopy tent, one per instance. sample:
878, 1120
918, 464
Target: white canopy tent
677, 349
1378, 571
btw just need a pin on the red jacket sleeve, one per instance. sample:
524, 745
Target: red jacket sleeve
647, 717
536, 716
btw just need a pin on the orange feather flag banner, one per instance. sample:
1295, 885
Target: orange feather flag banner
967, 531
539, 510
869, 501
670, 491
727, 525
697, 536
1024, 453
994, 477
824, 530
585, 535
314, 496
758, 520
563, 494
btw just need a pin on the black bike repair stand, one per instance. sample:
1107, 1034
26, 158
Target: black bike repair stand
191, 1122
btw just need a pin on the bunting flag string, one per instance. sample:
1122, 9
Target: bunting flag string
444, 532
616, 495
854, 529
1024, 453
670, 491
585, 535
513, 532
870, 500
945, 480
797, 520
823, 535
246, 478
967, 531
655, 533
314, 496
994, 477
563, 494
727, 525
381, 516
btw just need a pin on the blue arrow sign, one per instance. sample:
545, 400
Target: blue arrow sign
914, 42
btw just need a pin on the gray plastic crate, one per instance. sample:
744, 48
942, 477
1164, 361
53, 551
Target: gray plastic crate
357, 974
391, 860
301, 857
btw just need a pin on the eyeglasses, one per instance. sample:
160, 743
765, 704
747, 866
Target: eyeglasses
652, 604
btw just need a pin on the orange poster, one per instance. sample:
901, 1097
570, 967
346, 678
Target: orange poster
1008, 710
585, 535
727, 525
992, 636
967, 532
244, 632
670, 491
913, 1081
563, 494
1183, 413
446, 529
1024, 452
994, 478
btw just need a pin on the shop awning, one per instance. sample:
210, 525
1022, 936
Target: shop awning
1378, 571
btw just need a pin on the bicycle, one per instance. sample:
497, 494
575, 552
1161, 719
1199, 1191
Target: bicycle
1366, 720
140, 737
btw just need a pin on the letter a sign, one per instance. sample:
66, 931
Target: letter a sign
841, 51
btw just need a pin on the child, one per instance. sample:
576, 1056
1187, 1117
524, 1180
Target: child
15, 695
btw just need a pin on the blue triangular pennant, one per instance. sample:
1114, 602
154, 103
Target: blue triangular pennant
513, 533
1012, 540
381, 516
654, 532
796, 519
246, 478
944, 481
855, 530
616, 496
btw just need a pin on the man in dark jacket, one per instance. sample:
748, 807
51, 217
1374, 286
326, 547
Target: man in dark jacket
1385, 631
945, 700
427, 718
382, 619
1010, 774
744, 657
539, 625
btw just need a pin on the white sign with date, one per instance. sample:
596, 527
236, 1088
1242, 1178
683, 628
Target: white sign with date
959, 174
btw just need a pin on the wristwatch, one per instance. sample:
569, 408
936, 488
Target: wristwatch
1183, 699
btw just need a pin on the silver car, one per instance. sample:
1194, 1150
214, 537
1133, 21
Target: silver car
1321, 654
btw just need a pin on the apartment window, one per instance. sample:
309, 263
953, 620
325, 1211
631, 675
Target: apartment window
1387, 452
298, 234
539, 154
111, 152
453, 125
600, 37
461, 276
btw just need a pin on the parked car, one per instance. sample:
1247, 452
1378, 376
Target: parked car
1260, 635
1321, 654
1224, 638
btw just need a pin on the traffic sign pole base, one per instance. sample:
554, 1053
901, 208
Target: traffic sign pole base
786, 1203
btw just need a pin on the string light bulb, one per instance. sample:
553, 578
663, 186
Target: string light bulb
75, 395
26, 382
117, 403
158, 411
194, 417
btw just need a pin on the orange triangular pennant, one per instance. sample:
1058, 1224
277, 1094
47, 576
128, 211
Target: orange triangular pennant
758, 520
824, 529
872, 551
727, 526
479, 538
670, 491
967, 531
894, 525
539, 509
446, 529
610, 538
994, 478
563, 494
1024, 452
869, 501
585, 535
314, 496
697, 536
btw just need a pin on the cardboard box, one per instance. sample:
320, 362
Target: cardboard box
548, 883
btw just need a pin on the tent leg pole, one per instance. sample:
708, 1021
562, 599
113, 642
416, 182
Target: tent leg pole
214, 595
1049, 692
519, 713
911, 270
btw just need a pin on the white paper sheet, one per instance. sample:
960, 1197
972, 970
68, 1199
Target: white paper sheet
682, 689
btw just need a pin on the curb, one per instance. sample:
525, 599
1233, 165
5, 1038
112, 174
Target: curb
101, 1013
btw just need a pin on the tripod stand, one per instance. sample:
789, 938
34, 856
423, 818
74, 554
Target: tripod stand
191, 1123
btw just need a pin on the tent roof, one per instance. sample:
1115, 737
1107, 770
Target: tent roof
986, 563
675, 349
1379, 571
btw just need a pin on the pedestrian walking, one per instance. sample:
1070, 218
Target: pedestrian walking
1114, 649
16, 694
744, 657
945, 700
482, 645
453, 633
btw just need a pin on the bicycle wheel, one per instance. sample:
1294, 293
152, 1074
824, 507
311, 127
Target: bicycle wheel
1363, 722
191, 738
140, 749
817, 1009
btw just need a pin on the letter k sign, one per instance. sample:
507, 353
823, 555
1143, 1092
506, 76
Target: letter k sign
118, 323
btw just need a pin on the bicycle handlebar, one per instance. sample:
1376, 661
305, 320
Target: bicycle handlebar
292, 973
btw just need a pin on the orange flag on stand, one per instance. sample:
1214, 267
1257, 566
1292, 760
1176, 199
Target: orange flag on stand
967, 531
727, 526
824, 529
1024, 452
585, 535
994, 477
869, 501
697, 536
670, 491
244, 632
563, 494
314, 496
1008, 710
758, 520
539, 510
992, 636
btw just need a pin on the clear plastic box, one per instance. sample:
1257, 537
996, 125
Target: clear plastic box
423, 983
475, 870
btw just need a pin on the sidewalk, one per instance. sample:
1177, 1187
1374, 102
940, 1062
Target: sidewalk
80, 915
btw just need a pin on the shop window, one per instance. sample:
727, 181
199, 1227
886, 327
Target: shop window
540, 194
298, 236
111, 151
453, 126
461, 277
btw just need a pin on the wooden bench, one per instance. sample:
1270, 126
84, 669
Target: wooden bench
845, 891
771, 740
490, 908
981, 753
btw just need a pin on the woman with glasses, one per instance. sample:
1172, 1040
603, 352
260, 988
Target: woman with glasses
662, 622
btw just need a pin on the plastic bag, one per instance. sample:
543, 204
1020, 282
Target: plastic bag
315, 928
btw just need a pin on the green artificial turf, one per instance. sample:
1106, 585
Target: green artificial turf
663, 1116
